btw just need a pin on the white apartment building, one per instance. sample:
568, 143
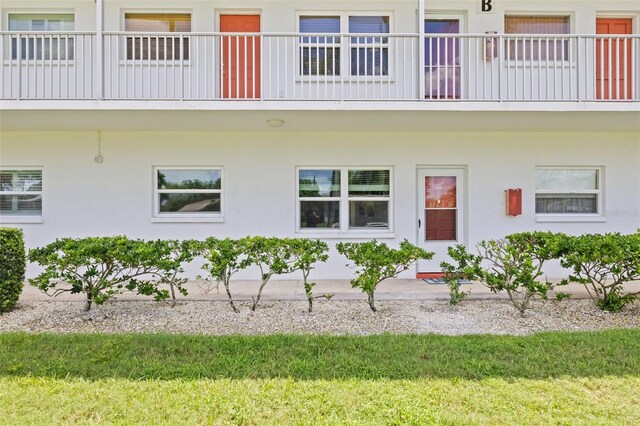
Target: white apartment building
439, 122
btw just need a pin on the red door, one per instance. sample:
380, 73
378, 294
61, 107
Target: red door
240, 57
614, 57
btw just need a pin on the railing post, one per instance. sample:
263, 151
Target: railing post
421, 52
578, 74
99, 49
19, 58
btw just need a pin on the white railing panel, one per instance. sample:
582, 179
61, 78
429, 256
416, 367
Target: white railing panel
321, 67
47, 65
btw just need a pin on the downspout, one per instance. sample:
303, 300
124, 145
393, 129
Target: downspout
421, 52
99, 49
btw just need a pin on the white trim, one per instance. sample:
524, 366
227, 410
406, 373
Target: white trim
158, 217
345, 231
574, 217
17, 218
345, 45
20, 219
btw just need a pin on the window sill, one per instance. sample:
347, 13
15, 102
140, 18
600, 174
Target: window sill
570, 219
187, 219
346, 235
20, 219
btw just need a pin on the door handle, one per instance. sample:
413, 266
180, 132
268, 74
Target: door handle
419, 223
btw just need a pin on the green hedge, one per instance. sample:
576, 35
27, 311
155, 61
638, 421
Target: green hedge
12, 267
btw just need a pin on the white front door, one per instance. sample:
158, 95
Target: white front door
441, 210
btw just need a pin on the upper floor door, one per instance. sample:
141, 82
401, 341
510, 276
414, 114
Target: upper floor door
614, 59
240, 76
442, 58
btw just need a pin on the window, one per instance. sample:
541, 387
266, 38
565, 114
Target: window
20, 192
568, 191
188, 192
33, 46
151, 46
344, 199
537, 48
321, 55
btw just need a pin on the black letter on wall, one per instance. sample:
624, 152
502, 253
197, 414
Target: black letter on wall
487, 6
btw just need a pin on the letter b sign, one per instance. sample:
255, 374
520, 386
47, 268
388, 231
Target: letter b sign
486, 6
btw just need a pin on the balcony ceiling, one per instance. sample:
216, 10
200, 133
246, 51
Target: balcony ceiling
317, 116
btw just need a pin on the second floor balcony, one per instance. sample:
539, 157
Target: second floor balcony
319, 67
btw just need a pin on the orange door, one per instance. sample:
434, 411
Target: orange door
240, 57
614, 57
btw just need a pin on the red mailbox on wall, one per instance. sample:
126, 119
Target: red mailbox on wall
513, 201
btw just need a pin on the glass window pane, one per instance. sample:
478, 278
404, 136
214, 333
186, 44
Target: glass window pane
320, 24
566, 179
370, 60
567, 203
440, 192
319, 183
320, 214
6, 181
537, 49
369, 214
536, 24
21, 204
369, 24
189, 203
369, 183
41, 22
320, 61
157, 22
189, 179
29, 181
442, 26
440, 225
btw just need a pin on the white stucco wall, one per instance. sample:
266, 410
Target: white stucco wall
83, 198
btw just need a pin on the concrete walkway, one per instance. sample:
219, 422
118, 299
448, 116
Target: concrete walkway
341, 289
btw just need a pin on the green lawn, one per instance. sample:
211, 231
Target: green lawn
557, 378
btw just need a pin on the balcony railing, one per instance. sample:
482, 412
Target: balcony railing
326, 67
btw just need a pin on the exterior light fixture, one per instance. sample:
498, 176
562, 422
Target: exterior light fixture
275, 122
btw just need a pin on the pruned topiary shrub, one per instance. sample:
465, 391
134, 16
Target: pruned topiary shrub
100, 267
604, 263
12, 267
513, 264
225, 258
306, 253
273, 256
377, 261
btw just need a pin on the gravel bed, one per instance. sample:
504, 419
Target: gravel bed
329, 317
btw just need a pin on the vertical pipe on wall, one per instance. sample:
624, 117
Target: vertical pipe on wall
99, 43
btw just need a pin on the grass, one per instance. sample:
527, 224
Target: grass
558, 378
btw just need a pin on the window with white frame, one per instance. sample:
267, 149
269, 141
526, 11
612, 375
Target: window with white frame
34, 46
20, 192
188, 192
344, 199
533, 47
149, 45
320, 55
568, 191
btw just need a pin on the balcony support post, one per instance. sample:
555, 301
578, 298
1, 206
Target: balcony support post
99, 50
421, 52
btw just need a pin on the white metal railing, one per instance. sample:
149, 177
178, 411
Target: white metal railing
342, 67
52, 65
